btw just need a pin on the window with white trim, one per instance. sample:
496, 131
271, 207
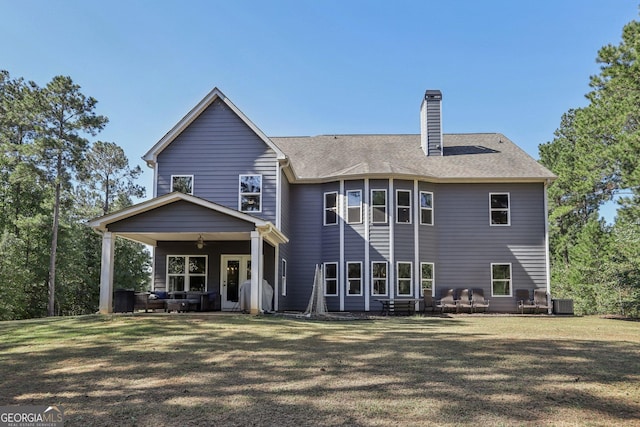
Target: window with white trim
330, 278
499, 209
426, 208
354, 206
378, 278
331, 208
426, 278
379, 206
354, 278
501, 280
403, 206
283, 276
250, 193
404, 273
186, 273
182, 183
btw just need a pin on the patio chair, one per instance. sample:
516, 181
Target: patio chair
524, 301
447, 301
540, 299
478, 301
429, 303
464, 301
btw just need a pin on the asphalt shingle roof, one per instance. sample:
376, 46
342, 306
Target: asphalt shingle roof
467, 157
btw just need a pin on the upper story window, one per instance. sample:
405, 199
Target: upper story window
331, 208
499, 209
182, 183
501, 280
403, 206
250, 193
379, 206
354, 206
331, 278
426, 208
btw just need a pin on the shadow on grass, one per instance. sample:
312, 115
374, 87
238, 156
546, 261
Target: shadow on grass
268, 371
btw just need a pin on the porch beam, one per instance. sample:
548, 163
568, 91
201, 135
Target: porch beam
106, 273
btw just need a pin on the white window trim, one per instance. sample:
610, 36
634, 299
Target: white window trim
240, 193
433, 277
187, 283
510, 279
386, 279
359, 206
324, 211
426, 209
398, 278
193, 182
357, 278
500, 209
283, 276
324, 277
403, 206
386, 214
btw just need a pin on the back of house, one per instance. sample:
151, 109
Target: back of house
386, 217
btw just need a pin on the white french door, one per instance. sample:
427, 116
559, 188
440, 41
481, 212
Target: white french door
234, 269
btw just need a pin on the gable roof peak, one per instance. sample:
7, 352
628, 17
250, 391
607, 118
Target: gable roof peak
151, 156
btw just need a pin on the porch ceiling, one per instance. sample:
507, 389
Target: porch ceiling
153, 238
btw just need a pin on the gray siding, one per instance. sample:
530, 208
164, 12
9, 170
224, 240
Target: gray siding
354, 247
467, 244
285, 227
461, 243
305, 244
181, 216
379, 233
216, 148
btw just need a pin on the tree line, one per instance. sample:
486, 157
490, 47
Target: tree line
53, 178
596, 155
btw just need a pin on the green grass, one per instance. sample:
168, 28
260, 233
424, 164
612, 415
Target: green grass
243, 370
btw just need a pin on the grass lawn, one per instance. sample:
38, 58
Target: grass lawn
265, 371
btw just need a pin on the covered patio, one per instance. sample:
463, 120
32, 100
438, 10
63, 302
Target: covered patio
179, 225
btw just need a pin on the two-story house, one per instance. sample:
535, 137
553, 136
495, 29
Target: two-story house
385, 216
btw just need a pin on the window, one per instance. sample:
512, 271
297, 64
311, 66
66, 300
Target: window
186, 273
499, 209
283, 275
330, 208
426, 278
354, 206
251, 193
379, 206
354, 278
501, 280
426, 208
404, 279
331, 278
403, 206
182, 183
379, 278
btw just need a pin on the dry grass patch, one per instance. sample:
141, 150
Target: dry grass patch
242, 370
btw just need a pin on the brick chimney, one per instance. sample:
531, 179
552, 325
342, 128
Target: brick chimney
431, 123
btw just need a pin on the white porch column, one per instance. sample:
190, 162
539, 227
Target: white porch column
256, 276
106, 272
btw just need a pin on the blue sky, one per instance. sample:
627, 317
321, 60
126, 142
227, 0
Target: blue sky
318, 67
